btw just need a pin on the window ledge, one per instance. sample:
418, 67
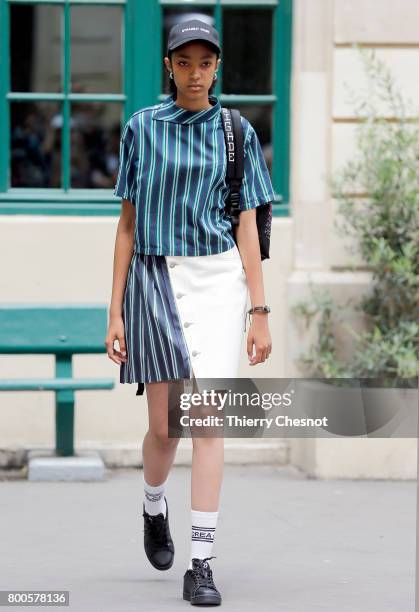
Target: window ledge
56, 202
84, 202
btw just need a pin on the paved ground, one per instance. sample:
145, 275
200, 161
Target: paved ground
283, 543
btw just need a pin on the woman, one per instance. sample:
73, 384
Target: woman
179, 300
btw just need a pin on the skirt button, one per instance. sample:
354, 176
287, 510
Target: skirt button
179, 295
195, 353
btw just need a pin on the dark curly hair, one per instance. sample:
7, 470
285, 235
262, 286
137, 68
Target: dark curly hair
172, 85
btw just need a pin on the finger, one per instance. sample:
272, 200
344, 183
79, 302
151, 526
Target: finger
249, 346
122, 356
260, 354
114, 355
114, 358
121, 340
252, 353
256, 357
109, 349
119, 358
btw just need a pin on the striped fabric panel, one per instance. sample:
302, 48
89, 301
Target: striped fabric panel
156, 347
172, 168
256, 187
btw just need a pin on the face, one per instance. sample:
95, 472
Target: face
193, 64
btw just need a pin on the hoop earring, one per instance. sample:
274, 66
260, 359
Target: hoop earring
215, 76
171, 75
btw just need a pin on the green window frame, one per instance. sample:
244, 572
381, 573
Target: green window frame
141, 87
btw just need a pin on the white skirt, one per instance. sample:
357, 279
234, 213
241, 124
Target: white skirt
184, 317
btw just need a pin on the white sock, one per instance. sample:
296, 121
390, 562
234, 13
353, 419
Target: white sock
203, 532
154, 501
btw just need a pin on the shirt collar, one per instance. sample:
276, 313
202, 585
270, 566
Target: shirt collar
169, 111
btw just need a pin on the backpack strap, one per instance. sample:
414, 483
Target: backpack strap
233, 136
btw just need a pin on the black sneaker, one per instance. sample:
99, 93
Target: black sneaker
198, 585
158, 544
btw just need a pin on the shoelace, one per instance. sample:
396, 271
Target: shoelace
156, 527
202, 574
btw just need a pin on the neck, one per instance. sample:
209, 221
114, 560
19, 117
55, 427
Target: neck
192, 103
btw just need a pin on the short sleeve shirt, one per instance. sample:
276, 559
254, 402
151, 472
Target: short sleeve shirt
172, 168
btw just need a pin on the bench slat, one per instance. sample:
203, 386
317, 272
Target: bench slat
52, 328
55, 384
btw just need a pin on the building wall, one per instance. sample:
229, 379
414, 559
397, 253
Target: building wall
325, 64
323, 125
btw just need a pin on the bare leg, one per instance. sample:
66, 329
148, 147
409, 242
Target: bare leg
158, 449
207, 473
207, 466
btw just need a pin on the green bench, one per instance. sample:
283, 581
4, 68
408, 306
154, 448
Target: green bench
62, 330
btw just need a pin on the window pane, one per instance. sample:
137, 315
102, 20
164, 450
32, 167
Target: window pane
247, 51
260, 116
35, 144
170, 17
95, 136
96, 60
35, 47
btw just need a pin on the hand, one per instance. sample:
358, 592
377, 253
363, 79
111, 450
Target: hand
116, 332
260, 337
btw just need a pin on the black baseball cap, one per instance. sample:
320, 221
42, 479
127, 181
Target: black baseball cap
194, 29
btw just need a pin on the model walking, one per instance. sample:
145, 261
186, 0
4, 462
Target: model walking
180, 282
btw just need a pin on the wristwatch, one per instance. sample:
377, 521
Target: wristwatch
259, 309
256, 309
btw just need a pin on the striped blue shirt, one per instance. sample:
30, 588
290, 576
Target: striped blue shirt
172, 168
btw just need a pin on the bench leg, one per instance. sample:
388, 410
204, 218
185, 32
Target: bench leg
64, 423
64, 409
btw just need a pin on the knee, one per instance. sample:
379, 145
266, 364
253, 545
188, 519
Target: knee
161, 438
207, 443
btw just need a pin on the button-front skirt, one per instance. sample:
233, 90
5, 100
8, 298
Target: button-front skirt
184, 316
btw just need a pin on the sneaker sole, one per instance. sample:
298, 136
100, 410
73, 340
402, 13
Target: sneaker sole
203, 600
162, 567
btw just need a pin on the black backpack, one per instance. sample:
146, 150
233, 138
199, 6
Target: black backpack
233, 134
